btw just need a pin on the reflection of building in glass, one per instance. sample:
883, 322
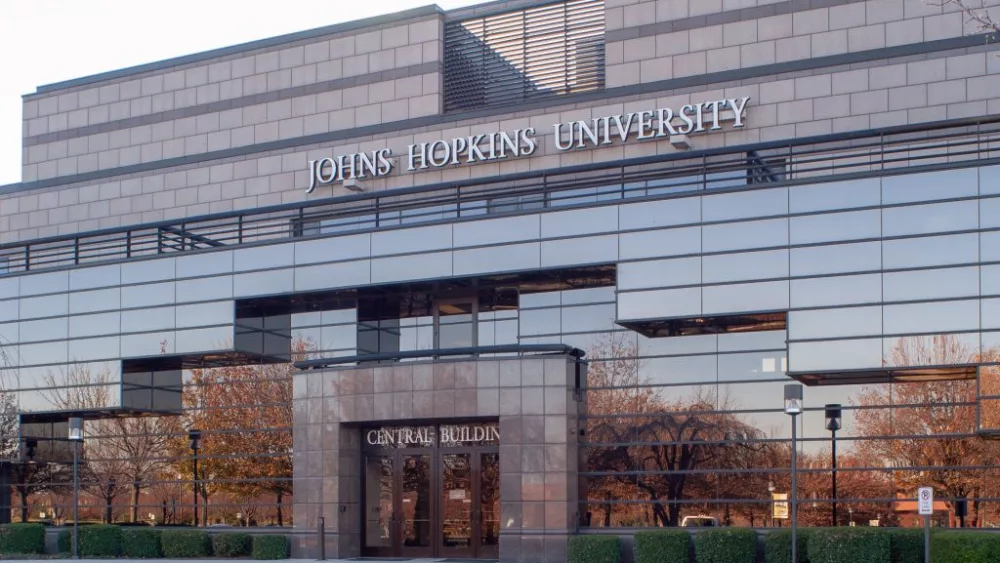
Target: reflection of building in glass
482, 358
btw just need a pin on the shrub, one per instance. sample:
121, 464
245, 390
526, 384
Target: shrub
64, 541
729, 545
662, 546
141, 543
231, 544
185, 543
22, 538
965, 547
778, 546
100, 541
594, 549
906, 545
270, 547
849, 545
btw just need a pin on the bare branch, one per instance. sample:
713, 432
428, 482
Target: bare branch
980, 16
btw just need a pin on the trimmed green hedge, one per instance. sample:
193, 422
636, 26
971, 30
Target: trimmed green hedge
271, 547
906, 545
965, 547
141, 543
22, 539
849, 545
234, 544
185, 543
594, 549
100, 541
726, 545
662, 546
778, 546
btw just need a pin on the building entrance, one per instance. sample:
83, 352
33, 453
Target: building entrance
432, 491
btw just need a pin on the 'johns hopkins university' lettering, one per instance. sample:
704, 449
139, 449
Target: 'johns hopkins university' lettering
641, 125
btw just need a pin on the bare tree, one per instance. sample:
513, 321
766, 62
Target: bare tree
120, 454
979, 16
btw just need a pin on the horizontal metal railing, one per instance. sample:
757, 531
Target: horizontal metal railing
897, 150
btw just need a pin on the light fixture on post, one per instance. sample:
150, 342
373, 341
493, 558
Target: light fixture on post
770, 492
76, 436
195, 436
833, 423
793, 408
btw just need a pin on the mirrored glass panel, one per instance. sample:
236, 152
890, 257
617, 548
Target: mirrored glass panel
659, 273
763, 296
835, 195
838, 290
742, 205
835, 323
745, 266
930, 218
931, 251
929, 186
745, 235
838, 258
664, 303
833, 355
945, 316
830, 227
931, 284
664, 242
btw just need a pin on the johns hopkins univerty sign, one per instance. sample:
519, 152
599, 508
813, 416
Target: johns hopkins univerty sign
641, 125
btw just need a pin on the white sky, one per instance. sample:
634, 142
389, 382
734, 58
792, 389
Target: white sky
46, 41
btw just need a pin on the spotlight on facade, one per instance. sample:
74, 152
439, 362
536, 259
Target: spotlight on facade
680, 142
354, 185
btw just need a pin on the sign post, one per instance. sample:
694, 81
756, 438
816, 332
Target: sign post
925, 507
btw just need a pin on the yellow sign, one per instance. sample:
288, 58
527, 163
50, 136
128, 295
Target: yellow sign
779, 506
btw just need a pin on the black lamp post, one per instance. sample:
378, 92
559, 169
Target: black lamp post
770, 492
195, 437
793, 408
833, 424
76, 436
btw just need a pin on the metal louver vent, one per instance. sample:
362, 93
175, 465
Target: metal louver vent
509, 58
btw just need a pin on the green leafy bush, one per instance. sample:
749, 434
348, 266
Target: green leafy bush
594, 549
233, 544
64, 541
270, 547
965, 547
185, 543
726, 545
906, 545
849, 545
662, 546
22, 538
778, 546
100, 541
141, 543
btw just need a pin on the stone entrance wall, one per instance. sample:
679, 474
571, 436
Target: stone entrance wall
533, 398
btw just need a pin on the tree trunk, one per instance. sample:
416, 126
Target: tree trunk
204, 507
135, 501
23, 493
279, 496
108, 516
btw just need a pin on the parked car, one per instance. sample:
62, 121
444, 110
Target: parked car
699, 522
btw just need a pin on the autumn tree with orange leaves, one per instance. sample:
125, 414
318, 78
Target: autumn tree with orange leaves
927, 425
245, 414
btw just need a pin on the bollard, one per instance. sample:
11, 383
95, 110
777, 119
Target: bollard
321, 532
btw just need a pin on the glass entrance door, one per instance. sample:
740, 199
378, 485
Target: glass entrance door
489, 506
398, 503
380, 505
470, 504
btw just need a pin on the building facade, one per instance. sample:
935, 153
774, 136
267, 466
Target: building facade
466, 283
